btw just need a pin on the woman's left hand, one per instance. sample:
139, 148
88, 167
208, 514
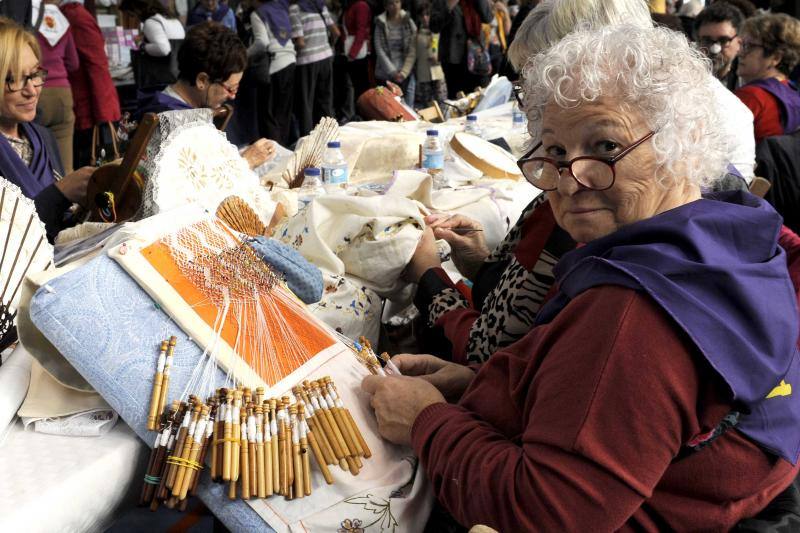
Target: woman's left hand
75, 184
259, 152
425, 257
397, 401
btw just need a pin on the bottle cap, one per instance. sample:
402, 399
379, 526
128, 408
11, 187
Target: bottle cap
432, 133
334, 144
472, 118
311, 171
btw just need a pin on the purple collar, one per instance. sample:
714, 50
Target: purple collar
275, 14
30, 179
201, 14
789, 98
715, 267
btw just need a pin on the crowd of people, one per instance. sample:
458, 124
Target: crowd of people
625, 358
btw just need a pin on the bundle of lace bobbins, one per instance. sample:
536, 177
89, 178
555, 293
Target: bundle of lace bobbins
259, 447
365, 354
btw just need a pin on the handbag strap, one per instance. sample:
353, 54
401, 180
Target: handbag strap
96, 140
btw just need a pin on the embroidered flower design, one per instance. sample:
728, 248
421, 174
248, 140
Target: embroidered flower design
350, 526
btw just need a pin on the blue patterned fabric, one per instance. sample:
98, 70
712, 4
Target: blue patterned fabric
109, 329
303, 277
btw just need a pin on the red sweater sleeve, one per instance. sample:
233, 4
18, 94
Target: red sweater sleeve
766, 111
94, 62
569, 429
71, 61
359, 22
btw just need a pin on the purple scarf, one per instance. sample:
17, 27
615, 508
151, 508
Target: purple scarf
275, 14
201, 14
31, 180
789, 99
311, 6
715, 267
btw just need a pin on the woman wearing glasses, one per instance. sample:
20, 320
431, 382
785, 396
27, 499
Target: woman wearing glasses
211, 63
770, 50
654, 391
29, 156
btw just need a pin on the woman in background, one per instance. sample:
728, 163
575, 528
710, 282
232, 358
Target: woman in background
395, 48
59, 58
208, 10
770, 50
357, 42
28, 154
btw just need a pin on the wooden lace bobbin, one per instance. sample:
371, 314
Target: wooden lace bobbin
208, 443
299, 489
215, 463
180, 440
182, 454
236, 436
261, 480
284, 443
285, 401
270, 441
192, 469
150, 478
273, 421
315, 448
310, 415
305, 455
489, 158
179, 411
349, 418
252, 453
341, 418
328, 425
155, 397
324, 408
244, 459
227, 448
167, 369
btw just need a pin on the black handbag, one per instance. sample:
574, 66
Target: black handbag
259, 68
155, 73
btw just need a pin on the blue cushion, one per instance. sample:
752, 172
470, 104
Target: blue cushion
302, 277
109, 329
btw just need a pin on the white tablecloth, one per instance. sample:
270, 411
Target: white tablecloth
52, 483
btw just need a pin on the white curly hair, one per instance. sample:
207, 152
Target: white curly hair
650, 71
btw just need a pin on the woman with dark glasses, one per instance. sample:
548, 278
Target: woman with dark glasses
770, 50
29, 156
652, 393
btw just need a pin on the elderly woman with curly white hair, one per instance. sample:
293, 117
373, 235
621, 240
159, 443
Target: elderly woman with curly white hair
655, 391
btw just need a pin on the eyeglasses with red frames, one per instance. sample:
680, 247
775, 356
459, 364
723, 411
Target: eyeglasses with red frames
230, 90
591, 172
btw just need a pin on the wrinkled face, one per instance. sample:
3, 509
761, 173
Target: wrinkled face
754, 63
603, 129
719, 41
20, 106
392, 7
219, 92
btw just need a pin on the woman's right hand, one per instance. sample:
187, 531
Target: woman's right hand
451, 379
466, 240
75, 184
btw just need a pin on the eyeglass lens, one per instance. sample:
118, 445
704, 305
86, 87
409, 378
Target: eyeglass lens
37, 78
591, 173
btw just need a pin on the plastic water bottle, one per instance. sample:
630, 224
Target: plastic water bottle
334, 167
472, 125
518, 118
433, 158
432, 153
312, 184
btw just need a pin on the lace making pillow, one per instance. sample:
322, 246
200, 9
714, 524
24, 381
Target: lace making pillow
302, 277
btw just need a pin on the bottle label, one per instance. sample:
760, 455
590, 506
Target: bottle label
433, 160
334, 176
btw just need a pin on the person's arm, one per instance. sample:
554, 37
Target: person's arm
260, 36
298, 37
362, 15
51, 205
90, 44
157, 44
385, 63
71, 61
411, 54
578, 465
